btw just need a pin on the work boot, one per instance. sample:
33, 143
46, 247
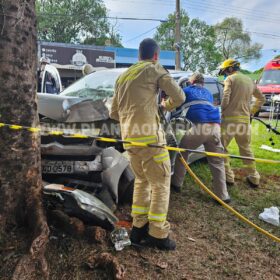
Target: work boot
230, 184
160, 243
175, 188
138, 234
227, 201
252, 185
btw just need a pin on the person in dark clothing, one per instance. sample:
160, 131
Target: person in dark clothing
49, 81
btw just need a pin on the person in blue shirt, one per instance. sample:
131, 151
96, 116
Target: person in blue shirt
199, 109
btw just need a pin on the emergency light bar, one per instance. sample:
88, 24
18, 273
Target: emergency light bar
276, 63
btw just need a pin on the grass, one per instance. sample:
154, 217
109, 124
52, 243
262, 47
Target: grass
249, 202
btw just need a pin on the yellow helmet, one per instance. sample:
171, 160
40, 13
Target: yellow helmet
228, 63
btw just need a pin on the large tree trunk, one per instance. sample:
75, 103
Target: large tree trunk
20, 166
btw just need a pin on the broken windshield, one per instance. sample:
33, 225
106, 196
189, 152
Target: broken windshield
97, 85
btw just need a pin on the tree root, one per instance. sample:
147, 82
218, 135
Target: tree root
27, 267
109, 263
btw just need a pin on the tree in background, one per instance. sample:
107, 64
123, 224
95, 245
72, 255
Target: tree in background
197, 42
20, 160
76, 21
234, 42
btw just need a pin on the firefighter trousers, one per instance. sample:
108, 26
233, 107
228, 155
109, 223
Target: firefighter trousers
208, 135
241, 132
151, 167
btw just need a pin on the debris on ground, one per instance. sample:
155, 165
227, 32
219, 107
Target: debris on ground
107, 262
270, 215
95, 234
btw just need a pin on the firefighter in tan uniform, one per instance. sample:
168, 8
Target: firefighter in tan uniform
237, 108
135, 106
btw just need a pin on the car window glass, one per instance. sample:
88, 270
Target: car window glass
97, 85
213, 88
270, 77
50, 83
54, 75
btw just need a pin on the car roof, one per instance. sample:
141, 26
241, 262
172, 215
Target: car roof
176, 74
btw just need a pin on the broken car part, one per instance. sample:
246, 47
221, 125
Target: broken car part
80, 204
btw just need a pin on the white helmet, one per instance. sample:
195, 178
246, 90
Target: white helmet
44, 60
87, 69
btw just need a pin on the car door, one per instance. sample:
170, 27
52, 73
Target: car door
51, 82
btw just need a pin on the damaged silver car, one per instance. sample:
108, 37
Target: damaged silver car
96, 167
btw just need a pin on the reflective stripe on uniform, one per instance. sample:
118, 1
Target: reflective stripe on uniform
157, 217
139, 210
132, 72
161, 157
146, 140
243, 119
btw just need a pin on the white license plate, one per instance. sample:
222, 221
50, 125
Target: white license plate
57, 167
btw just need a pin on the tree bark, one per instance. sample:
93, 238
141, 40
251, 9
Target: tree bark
20, 164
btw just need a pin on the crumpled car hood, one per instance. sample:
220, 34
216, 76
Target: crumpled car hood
72, 109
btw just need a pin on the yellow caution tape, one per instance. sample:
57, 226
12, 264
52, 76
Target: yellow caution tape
33, 129
57, 133
16, 127
136, 144
225, 205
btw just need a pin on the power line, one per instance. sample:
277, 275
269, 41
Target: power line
272, 36
227, 12
247, 11
136, 37
217, 4
200, 6
107, 17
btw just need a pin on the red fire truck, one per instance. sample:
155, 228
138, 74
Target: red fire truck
269, 83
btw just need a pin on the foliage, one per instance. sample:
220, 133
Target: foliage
259, 71
76, 21
234, 42
244, 71
197, 42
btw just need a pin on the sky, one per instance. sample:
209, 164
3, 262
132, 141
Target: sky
260, 18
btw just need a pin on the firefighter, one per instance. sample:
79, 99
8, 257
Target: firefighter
87, 69
135, 106
199, 109
50, 84
237, 109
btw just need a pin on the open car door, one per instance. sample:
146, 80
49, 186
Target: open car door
51, 81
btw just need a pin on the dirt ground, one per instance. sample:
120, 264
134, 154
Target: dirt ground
211, 242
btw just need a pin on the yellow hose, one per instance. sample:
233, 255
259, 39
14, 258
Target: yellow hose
237, 214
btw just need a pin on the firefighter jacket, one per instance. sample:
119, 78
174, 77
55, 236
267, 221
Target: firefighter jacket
237, 99
135, 102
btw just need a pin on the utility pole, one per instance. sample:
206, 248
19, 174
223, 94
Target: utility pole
178, 37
